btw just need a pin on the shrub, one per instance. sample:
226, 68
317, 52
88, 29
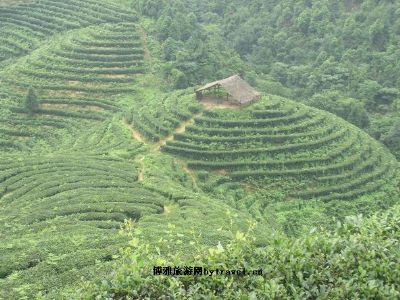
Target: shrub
354, 261
31, 101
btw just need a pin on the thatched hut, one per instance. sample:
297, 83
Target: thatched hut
237, 90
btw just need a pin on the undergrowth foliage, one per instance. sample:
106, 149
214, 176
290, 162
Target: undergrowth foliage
355, 261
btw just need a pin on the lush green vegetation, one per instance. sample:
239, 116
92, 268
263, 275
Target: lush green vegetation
341, 56
290, 140
24, 26
100, 129
158, 117
74, 75
354, 261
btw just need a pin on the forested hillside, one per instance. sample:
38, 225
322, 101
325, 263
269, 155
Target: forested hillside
341, 56
110, 164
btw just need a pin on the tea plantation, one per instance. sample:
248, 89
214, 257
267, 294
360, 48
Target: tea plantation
25, 26
278, 138
99, 154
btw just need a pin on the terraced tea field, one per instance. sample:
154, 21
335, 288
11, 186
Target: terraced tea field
65, 210
108, 145
85, 65
75, 75
159, 118
24, 26
69, 170
278, 139
62, 205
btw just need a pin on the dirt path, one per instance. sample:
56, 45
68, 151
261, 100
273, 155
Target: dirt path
180, 129
135, 134
140, 159
147, 55
156, 147
208, 104
191, 174
141, 171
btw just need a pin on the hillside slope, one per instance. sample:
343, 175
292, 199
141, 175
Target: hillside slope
107, 146
71, 173
279, 138
354, 261
341, 56
280, 158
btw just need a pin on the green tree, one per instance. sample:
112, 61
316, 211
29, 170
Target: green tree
392, 139
387, 95
179, 79
369, 90
31, 101
378, 34
170, 48
358, 116
150, 8
303, 21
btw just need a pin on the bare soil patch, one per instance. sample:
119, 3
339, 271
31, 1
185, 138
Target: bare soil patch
117, 75
141, 171
23, 138
210, 103
73, 107
222, 172
135, 134
180, 129
167, 209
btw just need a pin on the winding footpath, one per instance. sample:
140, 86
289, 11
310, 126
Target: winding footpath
157, 146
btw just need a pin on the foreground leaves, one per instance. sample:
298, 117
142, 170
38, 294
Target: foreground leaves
356, 261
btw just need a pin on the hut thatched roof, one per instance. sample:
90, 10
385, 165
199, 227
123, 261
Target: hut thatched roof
235, 86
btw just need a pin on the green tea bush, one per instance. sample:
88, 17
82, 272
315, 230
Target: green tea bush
256, 144
28, 24
356, 261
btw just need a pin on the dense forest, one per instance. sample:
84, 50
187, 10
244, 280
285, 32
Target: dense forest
114, 164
